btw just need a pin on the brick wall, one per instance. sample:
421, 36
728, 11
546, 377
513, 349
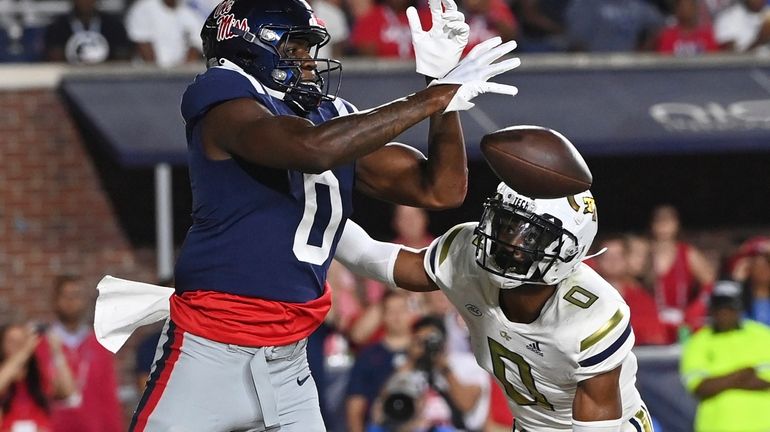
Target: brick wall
54, 216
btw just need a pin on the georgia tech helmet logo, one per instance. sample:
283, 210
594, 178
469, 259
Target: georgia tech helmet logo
589, 205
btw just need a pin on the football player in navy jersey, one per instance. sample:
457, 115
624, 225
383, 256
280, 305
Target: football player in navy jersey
273, 159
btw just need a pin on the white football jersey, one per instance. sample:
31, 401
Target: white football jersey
582, 331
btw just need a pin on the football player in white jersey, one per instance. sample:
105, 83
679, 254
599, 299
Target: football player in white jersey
553, 332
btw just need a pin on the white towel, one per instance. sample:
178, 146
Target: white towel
123, 306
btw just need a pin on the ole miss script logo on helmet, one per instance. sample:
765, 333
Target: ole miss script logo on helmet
227, 21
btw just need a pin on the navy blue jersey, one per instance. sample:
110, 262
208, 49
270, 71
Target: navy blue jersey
258, 231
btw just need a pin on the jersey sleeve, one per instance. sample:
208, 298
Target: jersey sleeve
344, 107
605, 341
437, 264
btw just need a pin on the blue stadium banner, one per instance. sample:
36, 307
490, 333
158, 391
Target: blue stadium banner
652, 108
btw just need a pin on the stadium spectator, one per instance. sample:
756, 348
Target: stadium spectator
738, 264
756, 289
358, 8
410, 225
687, 35
612, 265
86, 36
500, 418
328, 342
638, 259
377, 362
383, 31
542, 25
27, 386
20, 41
94, 405
201, 8
144, 356
455, 390
347, 296
166, 32
612, 25
488, 18
713, 7
438, 305
744, 26
725, 366
682, 276
331, 13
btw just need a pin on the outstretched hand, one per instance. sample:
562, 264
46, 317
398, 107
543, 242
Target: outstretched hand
473, 72
439, 49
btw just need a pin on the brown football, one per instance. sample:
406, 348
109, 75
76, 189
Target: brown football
537, 162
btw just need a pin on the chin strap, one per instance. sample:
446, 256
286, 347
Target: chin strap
301, 101
603, 250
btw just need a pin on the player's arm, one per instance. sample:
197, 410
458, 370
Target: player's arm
401, 174
597, 405
605, 342
245, 128
409, 272
389, 263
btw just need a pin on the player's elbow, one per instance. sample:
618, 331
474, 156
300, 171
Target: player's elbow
449, 197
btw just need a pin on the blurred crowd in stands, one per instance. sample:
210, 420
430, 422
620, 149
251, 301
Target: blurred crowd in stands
166, 32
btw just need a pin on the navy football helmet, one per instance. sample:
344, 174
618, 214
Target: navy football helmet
253, 33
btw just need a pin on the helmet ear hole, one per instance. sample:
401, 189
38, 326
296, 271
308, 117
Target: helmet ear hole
245, 57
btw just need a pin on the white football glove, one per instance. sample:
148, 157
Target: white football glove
475, 69
438, 50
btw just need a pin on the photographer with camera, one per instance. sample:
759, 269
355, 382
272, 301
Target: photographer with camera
433, 390
375, 364
28, 387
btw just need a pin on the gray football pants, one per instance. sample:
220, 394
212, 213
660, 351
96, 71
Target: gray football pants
198, 385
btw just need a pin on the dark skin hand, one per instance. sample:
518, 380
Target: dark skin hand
745, 379
395, 173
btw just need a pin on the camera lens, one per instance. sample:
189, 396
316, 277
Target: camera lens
398, 407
